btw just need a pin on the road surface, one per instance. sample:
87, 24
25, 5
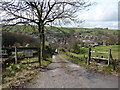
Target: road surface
64, 74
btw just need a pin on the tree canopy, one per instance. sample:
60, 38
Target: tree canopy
45, 11
41, 13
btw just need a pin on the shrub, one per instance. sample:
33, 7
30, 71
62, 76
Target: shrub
13, 67
17, 39
61, 49
48, 51
75, 48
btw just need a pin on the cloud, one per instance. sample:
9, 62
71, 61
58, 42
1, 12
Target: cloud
106, 11
105, 24
103, 14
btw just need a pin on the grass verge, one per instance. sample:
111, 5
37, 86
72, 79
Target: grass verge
106, 70
15, 76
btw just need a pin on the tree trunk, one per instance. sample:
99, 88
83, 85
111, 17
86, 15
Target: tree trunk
43, 44
42, 41
40, 50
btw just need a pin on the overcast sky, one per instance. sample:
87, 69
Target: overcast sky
102, 14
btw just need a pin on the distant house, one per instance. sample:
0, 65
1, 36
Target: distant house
88, 41
95, 44
89, 37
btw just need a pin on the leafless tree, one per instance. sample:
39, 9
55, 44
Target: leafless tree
41, 13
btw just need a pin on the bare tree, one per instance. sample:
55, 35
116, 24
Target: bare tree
41, 13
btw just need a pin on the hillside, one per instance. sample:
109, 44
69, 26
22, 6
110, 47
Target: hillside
32, 29
60, 37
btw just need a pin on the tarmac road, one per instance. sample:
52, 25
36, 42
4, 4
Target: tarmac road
64, 74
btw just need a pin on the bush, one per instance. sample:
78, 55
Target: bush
61, 49
48, 51
75, 48
13, 67
17, 39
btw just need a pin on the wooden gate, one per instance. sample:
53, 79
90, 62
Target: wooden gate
99, 58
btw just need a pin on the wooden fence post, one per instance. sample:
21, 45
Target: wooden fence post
109, 57
114, 64
89, 56
15, 55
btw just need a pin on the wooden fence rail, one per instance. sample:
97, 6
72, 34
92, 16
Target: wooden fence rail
98, 52
90, 52
7, 51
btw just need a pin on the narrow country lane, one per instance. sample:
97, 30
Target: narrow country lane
64, 74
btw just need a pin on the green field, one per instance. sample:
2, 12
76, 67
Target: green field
31, 29
114, 50
84, 51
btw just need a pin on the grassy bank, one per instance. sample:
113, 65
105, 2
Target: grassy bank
104, 69
15, 76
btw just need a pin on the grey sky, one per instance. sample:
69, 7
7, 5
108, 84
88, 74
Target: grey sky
102, 14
